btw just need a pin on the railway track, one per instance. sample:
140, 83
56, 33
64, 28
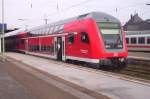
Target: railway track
139, 71
133, 70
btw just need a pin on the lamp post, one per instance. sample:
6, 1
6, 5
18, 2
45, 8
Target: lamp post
3, 30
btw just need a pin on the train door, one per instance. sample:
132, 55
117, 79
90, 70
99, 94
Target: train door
60, 48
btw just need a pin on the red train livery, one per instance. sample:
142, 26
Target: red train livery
93, 37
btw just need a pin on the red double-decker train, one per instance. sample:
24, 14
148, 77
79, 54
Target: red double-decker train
94, 37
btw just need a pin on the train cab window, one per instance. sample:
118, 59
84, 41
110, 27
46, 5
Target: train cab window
148, 40
133, 40
71, 38
84, 37
127, 40
141, 40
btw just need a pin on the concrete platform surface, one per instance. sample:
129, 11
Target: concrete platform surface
10, 88
113, 86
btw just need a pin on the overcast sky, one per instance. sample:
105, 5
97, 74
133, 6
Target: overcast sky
33, 11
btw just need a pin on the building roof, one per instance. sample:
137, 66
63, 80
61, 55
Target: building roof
136, 23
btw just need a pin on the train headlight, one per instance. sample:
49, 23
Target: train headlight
107, 46
119, 46
122, 59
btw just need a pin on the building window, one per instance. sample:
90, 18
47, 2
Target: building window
127, 40
133, 40
141, 40
84, 37
71, 38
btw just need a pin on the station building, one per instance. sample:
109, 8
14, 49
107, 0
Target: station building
136, 23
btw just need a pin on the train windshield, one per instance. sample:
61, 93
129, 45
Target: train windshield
112, 35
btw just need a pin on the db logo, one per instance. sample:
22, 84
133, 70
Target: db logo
115, 54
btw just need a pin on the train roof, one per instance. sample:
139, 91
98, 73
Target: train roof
138, 32
13, 33
97, 16
101, 17
144, 35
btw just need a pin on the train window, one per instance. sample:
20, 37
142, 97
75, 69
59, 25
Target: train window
50, 30
71, 38
148, 40
127, 40
32, 33
141, 40
61, 28
37, 47
133, 40
35, 32
84, 37
22, 41
55, 29
47, 30
39, 31
41, 49
44, 31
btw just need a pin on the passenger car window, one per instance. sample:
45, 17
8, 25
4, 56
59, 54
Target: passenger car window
71, 38
141, 40
133, 40
84, 37
148, 40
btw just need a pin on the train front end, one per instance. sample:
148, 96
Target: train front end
115, 51
111, 49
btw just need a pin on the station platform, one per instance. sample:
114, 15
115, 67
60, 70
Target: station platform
10, 88
95, 81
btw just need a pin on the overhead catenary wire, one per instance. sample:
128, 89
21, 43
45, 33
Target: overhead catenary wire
70, 7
